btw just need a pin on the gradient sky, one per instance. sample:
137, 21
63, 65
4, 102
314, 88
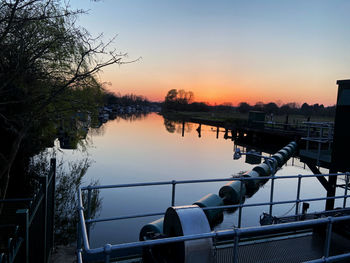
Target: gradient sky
226, 50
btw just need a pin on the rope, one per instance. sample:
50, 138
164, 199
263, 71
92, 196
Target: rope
288, 211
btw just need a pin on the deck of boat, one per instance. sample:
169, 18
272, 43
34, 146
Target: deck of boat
292, 249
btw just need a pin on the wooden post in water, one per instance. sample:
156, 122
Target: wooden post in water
183, 128
199, 129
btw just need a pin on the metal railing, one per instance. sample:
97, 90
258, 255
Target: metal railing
274, 125
33, 221
320, 133
104, 253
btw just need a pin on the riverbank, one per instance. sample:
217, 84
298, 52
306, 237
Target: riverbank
232, 117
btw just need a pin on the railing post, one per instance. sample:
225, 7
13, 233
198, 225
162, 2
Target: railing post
272, 169
89, 211
52, 204
173, 193
328, 238
308, 135
235, 246
44, 185
319, 147
24, 224
79, 241
240, 205
346, 189
271, 193
107, 251
330, 135
79, 256
298, 195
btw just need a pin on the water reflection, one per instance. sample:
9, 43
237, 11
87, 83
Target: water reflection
97, 131
178, 126
247, 143
132, 116
69, 177
170, 125
152, 148
74, 130
68, 181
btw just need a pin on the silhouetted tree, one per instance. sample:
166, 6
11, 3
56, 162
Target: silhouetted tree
178, 100
306, 109
259, 106
244, 107
125, 100
171, 96
44, 57
271, 108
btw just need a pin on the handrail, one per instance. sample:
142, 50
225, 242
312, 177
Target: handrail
240, 232
95, 187
85, 223
174, 182
90, 221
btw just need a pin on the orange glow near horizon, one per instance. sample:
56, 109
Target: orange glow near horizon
216, 91
234, 97
218, 84
226, 51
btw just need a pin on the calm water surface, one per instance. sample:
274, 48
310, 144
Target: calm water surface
146, 150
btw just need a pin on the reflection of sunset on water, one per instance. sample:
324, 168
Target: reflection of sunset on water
153, 149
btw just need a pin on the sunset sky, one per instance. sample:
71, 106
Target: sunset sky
226, 50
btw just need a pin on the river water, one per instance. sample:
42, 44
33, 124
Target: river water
152, 149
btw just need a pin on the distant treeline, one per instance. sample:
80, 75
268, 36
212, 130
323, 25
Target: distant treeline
180, 100
288, 108
125, 100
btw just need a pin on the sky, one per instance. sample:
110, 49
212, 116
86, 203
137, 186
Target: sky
226, 51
